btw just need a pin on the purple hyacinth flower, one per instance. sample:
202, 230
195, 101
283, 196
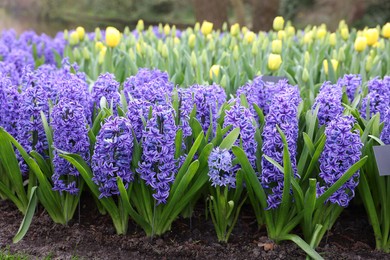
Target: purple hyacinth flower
221, 172
106, 86
70, 134
342, 149
352, 84
113, 155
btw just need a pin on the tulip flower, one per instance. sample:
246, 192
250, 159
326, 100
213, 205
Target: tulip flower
278, 23
372, 36
386, 30
274, 61
206, 28
360, 43
80, 32
334, 62
113, 36
214, 70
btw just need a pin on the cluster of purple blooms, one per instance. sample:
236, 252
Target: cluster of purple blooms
283, 112
342, 149
158, 165
329, 102
352, 84
385, 135
377, 99
106, 86
221, 170
70, 134
113, 155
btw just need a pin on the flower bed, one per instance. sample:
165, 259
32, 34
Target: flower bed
152, 121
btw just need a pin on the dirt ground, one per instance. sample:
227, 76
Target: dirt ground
94, 238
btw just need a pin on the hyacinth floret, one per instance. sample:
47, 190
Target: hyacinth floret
283, 113
385, 135
113, 155
10, 100
329, 102
352, 84
159, 166
241, 117
70, 134
221, 172
106, 86
137, 113
374, 102
342, 149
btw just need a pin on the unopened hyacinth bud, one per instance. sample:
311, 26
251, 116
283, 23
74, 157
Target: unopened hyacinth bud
342, 149
352, 84
106, 86
112, 156
329, 102
221, 172
158, 166
113, 36
283, 113
70, 134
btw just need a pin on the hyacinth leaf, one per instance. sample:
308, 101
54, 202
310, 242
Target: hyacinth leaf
331, 71
260, 114
129, 209
42, 163
11, 166
308, 144
379, 141
310, 201
316, 155
316, 237
49, 138
178, 143
108, 203
303, 245
230, 139
24, 226
244, 101
346, 176
11, 196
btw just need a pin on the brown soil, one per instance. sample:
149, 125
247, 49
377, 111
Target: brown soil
94, 238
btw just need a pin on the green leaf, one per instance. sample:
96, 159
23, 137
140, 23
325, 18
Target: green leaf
303, 245
230, 139
24, 226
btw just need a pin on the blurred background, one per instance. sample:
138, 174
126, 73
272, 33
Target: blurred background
50, 16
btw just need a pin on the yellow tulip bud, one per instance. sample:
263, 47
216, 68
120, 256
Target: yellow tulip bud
308, 38
86, 54
197, 26
307, 58
113, 36
140, 25
99, 46
305, 75
126, 31
214, 71
206, 28
76, 54
204, 56
341, 54
244, 30
66, 35
332, 39
98, 34
173, 31
344, 33
334, 62
74, 38
369, 63
249, 37
274, 61
276, 46
372, 36
194, 60
281, 35
102, 54
139, 48
192, 40
321, 32
132, 54
164, 51
290, 30
360, 43
176, 40
236, 53
235, 29
255, 48
278, 23
80, 32
167, 29
386, 30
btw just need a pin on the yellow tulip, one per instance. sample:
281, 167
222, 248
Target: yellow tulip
167, 29
99, 46
249, 37
334, 62
206, 28
74, 38
281, 34
360, 43
140, 25
176, 40
305, 75
276, 46
86, 54
98, 34
214, 70
113, 36
332, 39
80, 32
102, 54
344, 33
274, 61
235, 29
369, 63
236, 53
386, 30
321, 32
372, 36
244, 30
192, 40
308, 38
278, 23
66, 35
290, 30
